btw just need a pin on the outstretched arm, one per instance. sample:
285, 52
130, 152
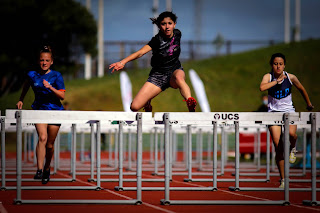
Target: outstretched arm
302, 90
120, 64
265, 84
25, 89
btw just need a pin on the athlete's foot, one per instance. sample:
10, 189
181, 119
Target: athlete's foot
38, 175
46, 176
191, 103
148, 107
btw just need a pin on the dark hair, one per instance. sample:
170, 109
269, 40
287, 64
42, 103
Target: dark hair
280, 55
163, 15
46, 49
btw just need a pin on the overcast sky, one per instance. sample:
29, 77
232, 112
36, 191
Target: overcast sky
234, 19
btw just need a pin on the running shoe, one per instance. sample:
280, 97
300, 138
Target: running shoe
46, 176
148, 107
292, 157
281, 184
38, 175
191, 103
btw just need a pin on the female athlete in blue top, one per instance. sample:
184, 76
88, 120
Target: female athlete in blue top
48, 87
166, 67
279, 83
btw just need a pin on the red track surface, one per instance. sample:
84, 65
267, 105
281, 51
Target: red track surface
151, 199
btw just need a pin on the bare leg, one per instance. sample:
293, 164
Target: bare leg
276, 135
293, 135
146, 93
178, 81
41, 146
52, 134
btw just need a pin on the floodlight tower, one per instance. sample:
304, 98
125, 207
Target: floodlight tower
100, 40
87, 62
198, 22
286, 21
297, 30
168, 5
155, 14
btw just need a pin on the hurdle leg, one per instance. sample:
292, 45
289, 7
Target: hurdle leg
139, 158
25, 147
161, 148
166, 200
313, 201
82, 147
19, 156
92, 153
29, 147
110, 148
215, 153
74, 152
209, 148
304, 151
116, 146
155, 151
120, 187
258, 150
151, 147
222, 150
170, 150
200, 149
129, 149
3, 154
268, 156
189, 149
98, 126
286, 159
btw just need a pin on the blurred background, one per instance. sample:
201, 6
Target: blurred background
228, 43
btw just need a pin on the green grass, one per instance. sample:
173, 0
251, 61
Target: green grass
231, 82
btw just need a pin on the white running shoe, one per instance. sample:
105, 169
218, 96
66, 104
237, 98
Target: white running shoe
292, 157
281, 184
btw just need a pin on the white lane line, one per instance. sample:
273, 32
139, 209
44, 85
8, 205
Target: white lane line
248, 196
120, 195
2, 209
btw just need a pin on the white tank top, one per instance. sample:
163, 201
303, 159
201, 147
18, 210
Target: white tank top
279, 96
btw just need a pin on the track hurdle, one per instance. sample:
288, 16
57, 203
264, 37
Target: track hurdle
236, 118
314, 119
74, 117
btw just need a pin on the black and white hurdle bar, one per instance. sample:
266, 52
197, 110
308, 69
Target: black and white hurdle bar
206, 118
29, 116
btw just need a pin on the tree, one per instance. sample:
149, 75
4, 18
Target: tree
65, 25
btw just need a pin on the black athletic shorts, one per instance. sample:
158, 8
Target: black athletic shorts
161, 79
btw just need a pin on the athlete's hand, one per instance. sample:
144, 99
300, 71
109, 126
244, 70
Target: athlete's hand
46, 84
19, 105
281, 78
310, 107
116, 66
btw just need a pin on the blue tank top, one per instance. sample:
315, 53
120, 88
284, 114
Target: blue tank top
45, 99
282, 90
279, 96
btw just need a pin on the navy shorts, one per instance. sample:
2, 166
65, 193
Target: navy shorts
161, 79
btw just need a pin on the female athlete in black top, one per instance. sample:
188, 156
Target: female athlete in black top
166, 67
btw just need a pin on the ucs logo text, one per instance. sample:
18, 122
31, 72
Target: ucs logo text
226, 116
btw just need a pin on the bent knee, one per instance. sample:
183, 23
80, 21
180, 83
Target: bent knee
293, 136
43, 139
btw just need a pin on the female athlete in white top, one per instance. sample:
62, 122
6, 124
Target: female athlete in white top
279, 83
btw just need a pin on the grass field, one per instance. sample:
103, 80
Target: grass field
231, 82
